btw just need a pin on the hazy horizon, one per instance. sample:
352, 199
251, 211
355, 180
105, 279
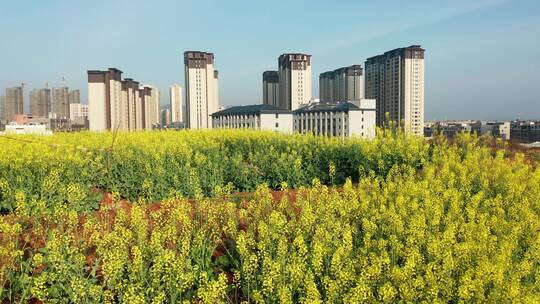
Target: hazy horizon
482, 57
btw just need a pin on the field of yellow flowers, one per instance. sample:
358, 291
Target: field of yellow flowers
69, 170
155, 218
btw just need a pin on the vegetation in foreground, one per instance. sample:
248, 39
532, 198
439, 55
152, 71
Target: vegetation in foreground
460, 226
70, 170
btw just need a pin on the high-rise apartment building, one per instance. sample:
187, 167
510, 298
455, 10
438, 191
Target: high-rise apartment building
202, 94
344, 84
326, 86
151, 107
74, 96
140, 107
2, 109
271, 88
215, 106
116, 104
177, 113
104, 99
130, 99
165, 117
294, 80
13, 104
40, 102
60, 102
396, 80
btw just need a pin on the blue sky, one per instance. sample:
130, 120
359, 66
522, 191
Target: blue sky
482, 56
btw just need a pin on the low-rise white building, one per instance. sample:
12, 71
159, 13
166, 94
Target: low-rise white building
260, 117
36, 129
343, 119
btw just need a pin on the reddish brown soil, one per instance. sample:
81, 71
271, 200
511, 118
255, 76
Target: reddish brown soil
32, 239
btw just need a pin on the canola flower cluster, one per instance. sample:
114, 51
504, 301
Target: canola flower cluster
71, 170
462, 225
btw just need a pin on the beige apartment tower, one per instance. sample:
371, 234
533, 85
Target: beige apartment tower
177, 113
294, 80
40, 102
129, 100
104, 99
13, 103
151, 107
395, 80
202, 95
140, 107
60, 102
343, 84
216, 95
271, 88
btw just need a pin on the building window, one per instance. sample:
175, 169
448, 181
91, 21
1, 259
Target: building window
277, 124
277, 115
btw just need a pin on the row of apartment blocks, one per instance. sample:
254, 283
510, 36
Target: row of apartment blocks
42, 102
116, 104
394, 79
517, 130
56, 109
288, 88
343, 119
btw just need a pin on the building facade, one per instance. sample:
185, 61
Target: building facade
2, 110
74, 96
130, 99
60, 102
395, 80
13, 103
326, 86
294, 80
525, 131
40, 102
202, 89
501, 129
259, 117
177, 113
78, 113
344, 119
151, 108
451, 128
165, 118
33, 129
116, 104
271, 88
345, 83
104, 99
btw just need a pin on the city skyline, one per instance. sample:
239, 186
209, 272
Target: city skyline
471, 71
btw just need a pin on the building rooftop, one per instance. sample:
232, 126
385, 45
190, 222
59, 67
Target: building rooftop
327, 107
395, 52
250, 110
